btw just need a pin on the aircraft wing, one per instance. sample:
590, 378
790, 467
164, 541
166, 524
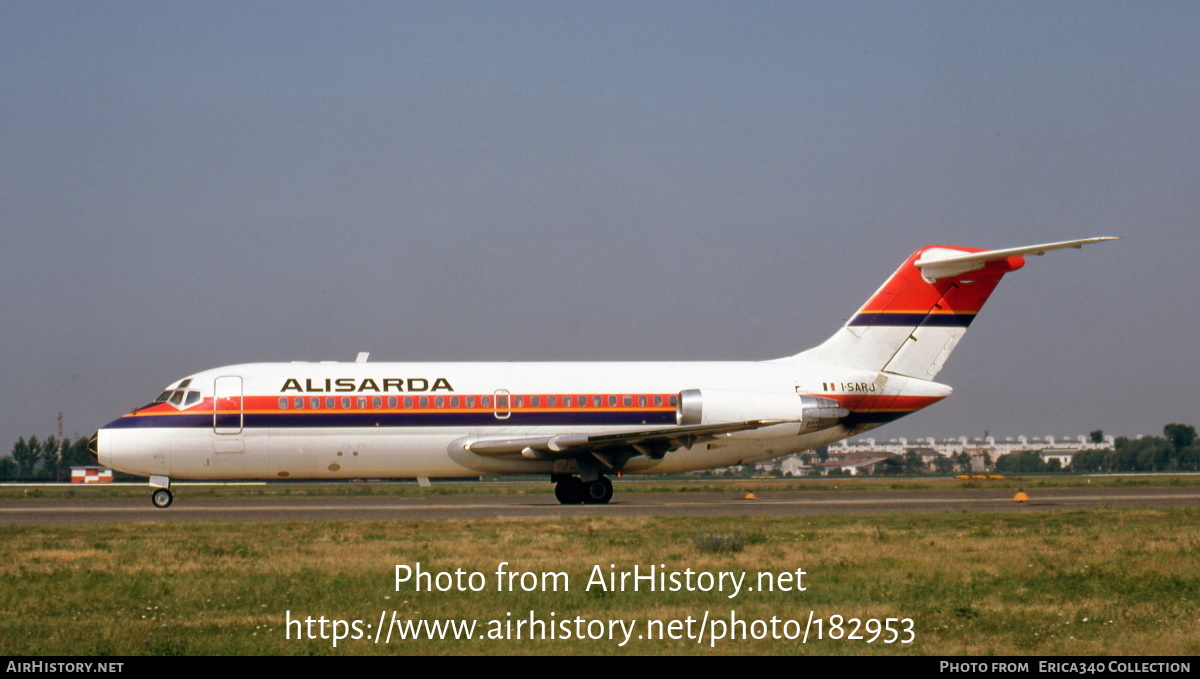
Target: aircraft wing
652, 442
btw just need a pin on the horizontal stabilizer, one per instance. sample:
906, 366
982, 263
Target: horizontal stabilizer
938, 263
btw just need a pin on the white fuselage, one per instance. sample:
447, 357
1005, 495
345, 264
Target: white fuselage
406, 420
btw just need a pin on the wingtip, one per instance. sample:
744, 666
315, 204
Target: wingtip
1097, 239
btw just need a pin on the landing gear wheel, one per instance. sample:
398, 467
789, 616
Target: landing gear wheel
162, 498
569, 491
598, 492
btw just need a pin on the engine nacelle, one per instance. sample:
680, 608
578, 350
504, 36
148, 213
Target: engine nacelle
797, 413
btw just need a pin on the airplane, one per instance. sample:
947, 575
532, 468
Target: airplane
576, 422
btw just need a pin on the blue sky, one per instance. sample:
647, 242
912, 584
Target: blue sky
188, 185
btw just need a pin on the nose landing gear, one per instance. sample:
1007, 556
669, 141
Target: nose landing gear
162, 498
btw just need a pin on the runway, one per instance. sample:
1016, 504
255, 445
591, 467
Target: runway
803, 503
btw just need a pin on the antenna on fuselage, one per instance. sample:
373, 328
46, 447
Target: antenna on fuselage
362, 357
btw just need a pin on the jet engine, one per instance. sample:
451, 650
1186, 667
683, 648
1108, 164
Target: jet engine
791, 413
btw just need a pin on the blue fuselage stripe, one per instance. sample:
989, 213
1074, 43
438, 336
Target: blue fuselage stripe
912, 320
447, 418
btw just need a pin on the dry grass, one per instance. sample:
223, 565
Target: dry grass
1097, 582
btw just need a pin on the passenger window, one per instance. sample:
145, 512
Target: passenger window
672, 399
596, 401
658, 399
283, 403
566, 401
330, 402
485, 401
408, 401
439, 402
377, 402
551, 401
519, 401
642, 400
298, 403
392, 402
362, 402
453, 401
535, 401
424, 401
345, 403
612, 401
627, 400
470, 401
314, 403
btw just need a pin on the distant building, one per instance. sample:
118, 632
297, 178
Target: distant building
1063, 455
789, 465
792, 465
866, 455
982, 451
869, 464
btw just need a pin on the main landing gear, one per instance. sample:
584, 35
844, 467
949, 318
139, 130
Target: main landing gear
571, 490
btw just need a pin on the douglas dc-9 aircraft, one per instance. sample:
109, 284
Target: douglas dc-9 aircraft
576, 422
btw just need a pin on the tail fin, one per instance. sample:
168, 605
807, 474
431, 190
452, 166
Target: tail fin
913, 322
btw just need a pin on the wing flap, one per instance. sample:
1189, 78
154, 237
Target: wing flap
571, 445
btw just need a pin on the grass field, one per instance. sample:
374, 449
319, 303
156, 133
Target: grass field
1088, 582
629, 484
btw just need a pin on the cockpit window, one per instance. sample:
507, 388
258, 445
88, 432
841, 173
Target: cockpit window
180, 398
184, 384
